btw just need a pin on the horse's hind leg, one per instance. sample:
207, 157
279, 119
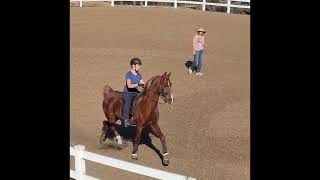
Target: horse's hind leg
137, 139
104, 132
117, 135
157, 132
111, 122
110, 125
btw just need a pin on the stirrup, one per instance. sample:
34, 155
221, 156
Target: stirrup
128, 122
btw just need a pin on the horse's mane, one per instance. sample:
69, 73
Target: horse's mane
147, 85
144, 91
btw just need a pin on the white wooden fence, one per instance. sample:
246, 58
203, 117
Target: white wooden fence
229, 4
80, 168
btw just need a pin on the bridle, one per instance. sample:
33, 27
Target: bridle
160, 92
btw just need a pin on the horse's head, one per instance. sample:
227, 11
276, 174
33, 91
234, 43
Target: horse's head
165, 88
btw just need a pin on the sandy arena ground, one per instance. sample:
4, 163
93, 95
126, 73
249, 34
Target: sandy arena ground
208, 131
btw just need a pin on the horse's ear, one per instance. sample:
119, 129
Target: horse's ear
169, 74
165, 73
162, 77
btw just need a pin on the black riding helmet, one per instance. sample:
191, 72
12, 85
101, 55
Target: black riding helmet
135, 61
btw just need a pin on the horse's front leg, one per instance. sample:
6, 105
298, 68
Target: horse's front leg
137, 139
156, 130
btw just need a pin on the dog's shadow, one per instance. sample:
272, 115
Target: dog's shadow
128, 135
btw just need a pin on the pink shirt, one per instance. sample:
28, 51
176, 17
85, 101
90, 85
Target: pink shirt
198, 43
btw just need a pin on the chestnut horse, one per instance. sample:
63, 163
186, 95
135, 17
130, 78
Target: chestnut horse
145, 111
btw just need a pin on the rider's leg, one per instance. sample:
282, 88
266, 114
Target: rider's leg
128, 104
127, 98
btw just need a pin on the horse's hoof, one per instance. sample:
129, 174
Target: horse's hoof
134, 156
101, 144
118, 140
165, 162
101, 140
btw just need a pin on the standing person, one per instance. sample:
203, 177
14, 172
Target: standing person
130, 91
198, 51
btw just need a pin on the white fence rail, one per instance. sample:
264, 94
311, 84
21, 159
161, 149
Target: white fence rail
80, 168
229, 4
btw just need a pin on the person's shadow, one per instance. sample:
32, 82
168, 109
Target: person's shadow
128, 134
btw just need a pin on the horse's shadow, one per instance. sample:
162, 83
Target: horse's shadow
128, 134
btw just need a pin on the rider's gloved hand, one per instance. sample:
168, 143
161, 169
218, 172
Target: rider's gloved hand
141, 85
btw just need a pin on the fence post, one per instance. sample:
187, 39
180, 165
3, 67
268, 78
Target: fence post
203, 5
228, 6
80, 168
175, 3
80, 3
145, 3
112, 2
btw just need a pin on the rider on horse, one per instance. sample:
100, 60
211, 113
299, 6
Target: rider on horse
130, 91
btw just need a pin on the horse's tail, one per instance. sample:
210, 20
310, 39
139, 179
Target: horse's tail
106, 90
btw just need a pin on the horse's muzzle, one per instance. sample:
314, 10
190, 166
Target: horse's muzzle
169, 98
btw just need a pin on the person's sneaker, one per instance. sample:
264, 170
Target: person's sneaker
189, 70
199, 74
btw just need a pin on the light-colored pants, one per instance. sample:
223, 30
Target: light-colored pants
197, 62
